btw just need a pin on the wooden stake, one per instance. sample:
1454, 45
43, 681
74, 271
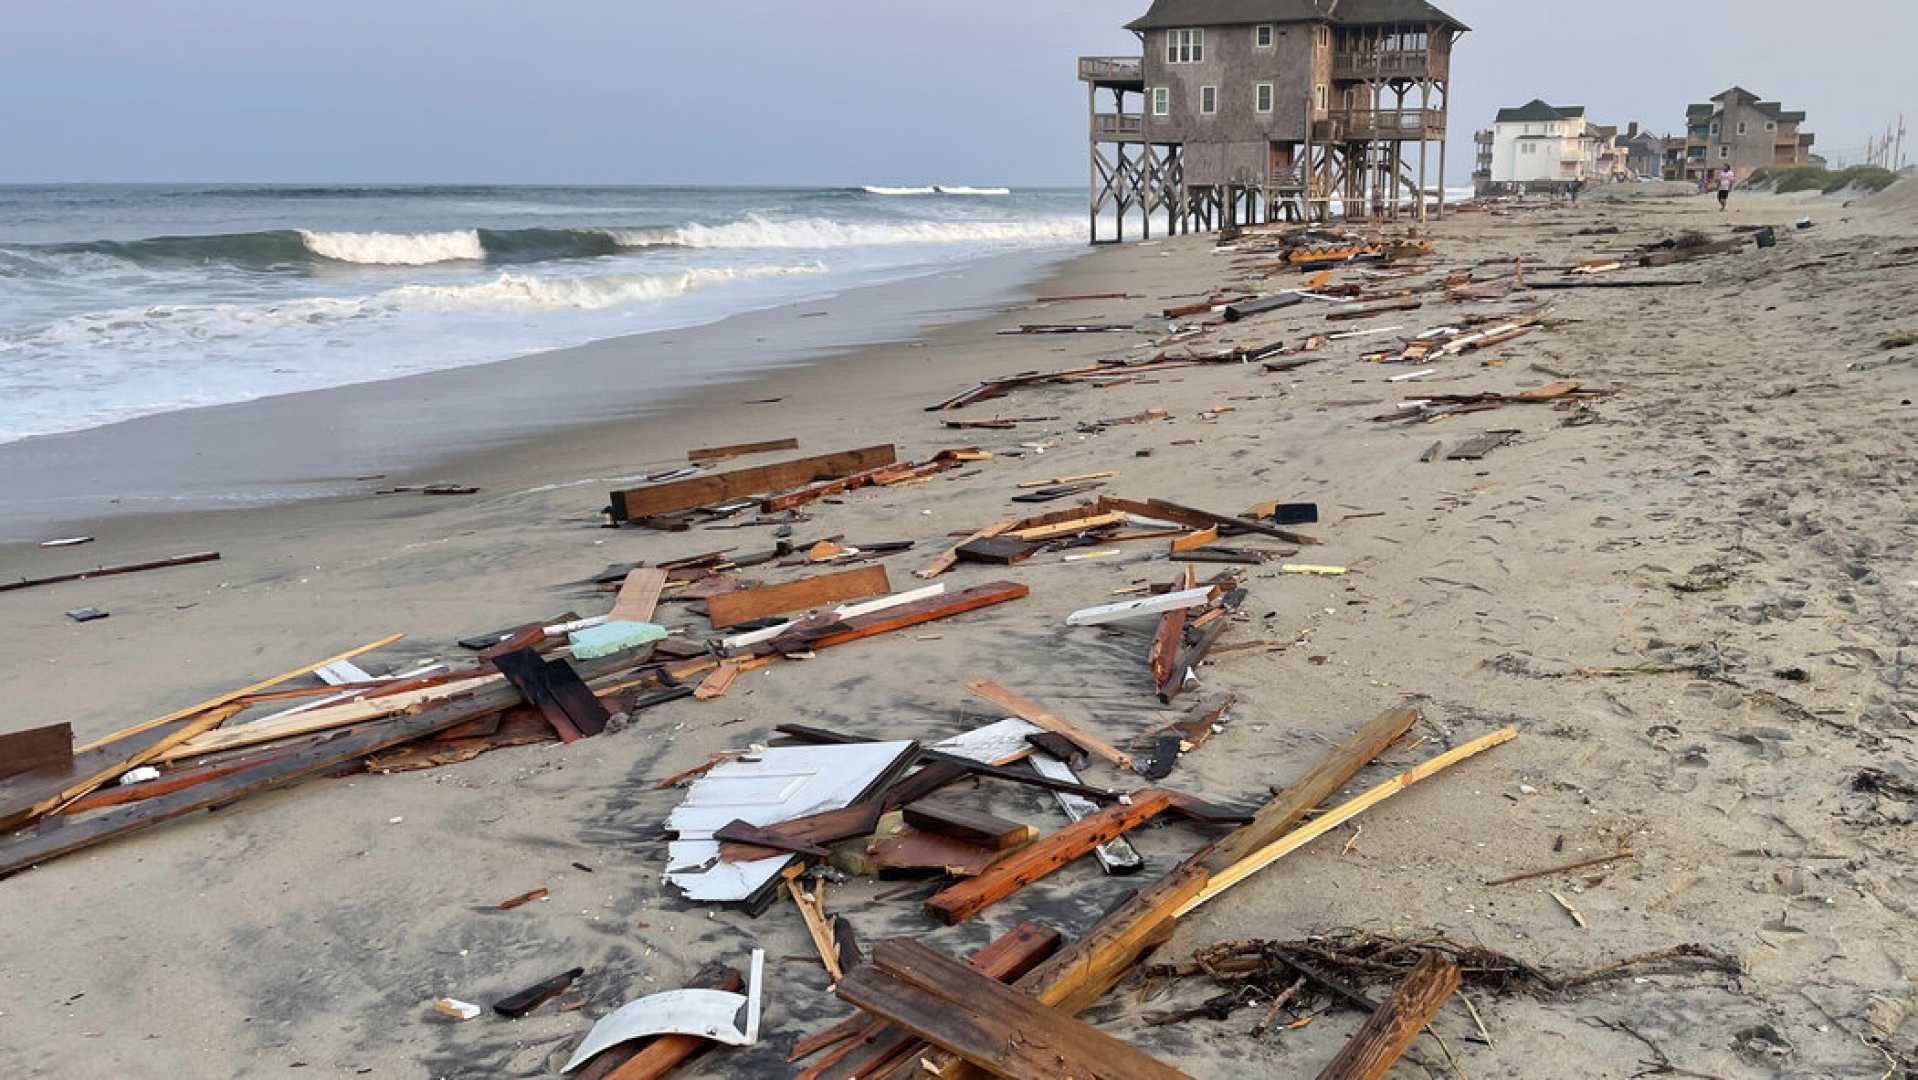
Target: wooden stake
1386, 1034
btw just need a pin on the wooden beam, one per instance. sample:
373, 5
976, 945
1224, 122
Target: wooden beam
953, 1006
552, 687
316, 720
744, 605
721, 453
1344, 812
638, 595
1033, 713
701, 490
973, 826
36, 750
108, 571
1021, 868
1069, 527
1201, 518
1386, 1034
1284, 813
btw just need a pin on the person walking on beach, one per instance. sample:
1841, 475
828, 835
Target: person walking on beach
1725, 180
1577, 186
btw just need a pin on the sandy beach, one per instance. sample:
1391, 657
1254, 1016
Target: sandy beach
1693, 597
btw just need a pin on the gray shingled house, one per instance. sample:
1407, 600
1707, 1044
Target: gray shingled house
1246, 110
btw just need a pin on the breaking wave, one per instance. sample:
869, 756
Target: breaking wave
943, 190
291, 248
873, 190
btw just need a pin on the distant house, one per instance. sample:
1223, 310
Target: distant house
1642, 153
1539, 145
1739, 130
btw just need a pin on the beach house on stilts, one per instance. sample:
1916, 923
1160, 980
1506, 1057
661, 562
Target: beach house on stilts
1241, 111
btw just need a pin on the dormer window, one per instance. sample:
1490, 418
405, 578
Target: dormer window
1262, 36
1185, 47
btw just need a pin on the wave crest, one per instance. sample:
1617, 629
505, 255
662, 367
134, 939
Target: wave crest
396, 249
755, 231
585, 293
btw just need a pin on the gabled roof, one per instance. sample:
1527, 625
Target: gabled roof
1536, 110
1166, 14
1736, 93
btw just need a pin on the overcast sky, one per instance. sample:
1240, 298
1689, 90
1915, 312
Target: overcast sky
780, 91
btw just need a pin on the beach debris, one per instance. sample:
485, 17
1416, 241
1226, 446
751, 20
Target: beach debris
1317, 571
556, 690
517, 1005
41, 749
1476, 447
429, 489
1007, 1033
705, 1014
108, 571
812, 910
87, 614
746, 605
1038, 716
776, 785
1150, 605
972, 826
610, 638
456, 1009
1117, 855
1389, 1031
1068, 328
66, 541
722, 453
645, 503
524, 898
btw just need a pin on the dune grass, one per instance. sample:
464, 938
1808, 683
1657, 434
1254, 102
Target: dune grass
1812, 178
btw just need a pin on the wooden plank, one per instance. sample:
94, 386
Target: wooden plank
744, 605
973, 826
1033, 713
1115, 856
721, 453
950, 559
108, 571
917, 851
863, 478
1476, 447
966, 899
37, 750
1070, 527
953, 1006
717, 683
169, 782
26, 796
1007, 957
638, 595
554, 689
844, 631
1386, 1034
700, 490
997, 550
316, 720
1278, 849
1161, 508
215, 703
1195, 540
517, 1005
812, 912
1284, 813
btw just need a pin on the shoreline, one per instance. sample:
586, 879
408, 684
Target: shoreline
472, 420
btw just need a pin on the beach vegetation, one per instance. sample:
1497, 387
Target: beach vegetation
1792, 178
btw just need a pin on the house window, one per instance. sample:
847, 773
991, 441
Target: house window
1741, 127
1529, 148
1161, 101
1770, 126
1262, 98
1724, 153
1714, 127
1262, 36
1208, 100
1185, 47
1321, 96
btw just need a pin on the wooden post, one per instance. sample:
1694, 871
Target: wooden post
1390, 1029
1092, 155
1425, 102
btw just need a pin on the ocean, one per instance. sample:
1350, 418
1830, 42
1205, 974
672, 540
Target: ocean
119, 301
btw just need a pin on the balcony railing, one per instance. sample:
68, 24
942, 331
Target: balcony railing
1106, 69
1394, 124
1118, 127
1366, 65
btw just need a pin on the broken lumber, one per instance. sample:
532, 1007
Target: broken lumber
700, 490
1386, 1034
1033, 713
744, 605
555, 689
518, 1005
638, 597
37, 749
1339, 815
1187, 515
1148, 605
631, 1061
952, 1006
973, 826
946, 561
846, 630
108, 571
721, 453
1021, 868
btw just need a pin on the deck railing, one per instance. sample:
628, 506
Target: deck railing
1361, 65
1118, 127
1112, 68
1381, 124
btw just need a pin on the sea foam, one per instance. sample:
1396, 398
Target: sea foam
396, 249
